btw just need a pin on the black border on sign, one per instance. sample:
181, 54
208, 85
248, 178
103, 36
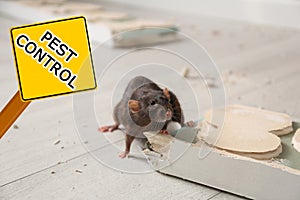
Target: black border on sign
48, 22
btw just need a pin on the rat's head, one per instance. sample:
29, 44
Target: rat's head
151, 105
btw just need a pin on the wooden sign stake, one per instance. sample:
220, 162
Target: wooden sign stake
11, 112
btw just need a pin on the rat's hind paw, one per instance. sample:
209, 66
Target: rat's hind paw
123, 154
103, 129
108, 128
165, 132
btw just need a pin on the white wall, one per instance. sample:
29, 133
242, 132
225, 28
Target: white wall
274, 12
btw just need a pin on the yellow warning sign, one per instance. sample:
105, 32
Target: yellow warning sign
53, 58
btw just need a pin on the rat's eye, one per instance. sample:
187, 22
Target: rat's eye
152, 102
165, 99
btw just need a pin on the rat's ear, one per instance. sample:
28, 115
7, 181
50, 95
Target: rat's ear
167, 93
134, 106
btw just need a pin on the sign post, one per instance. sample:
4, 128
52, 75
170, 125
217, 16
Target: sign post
11, 112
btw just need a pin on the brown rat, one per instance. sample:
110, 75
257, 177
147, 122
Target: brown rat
144, 107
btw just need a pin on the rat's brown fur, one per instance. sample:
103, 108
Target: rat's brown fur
141, 109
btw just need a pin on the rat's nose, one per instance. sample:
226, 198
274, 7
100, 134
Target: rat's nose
169, 114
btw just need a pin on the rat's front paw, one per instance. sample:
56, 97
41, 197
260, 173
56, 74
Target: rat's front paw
165, 132
123, 154
191, 124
